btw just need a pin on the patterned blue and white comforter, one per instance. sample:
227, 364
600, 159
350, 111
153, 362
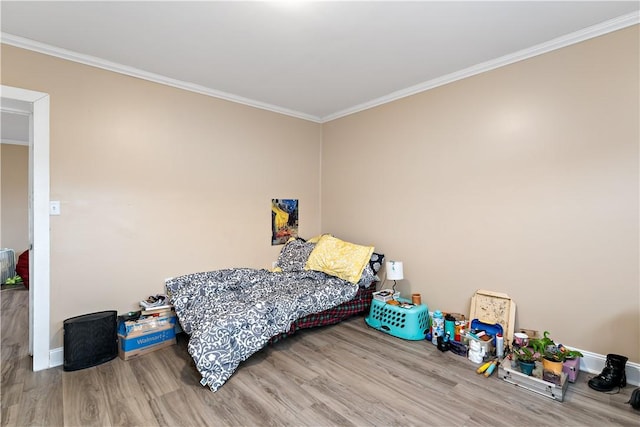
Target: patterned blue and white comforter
230, 314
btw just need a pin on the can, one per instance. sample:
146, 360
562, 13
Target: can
450, 326
438, 326
499, 345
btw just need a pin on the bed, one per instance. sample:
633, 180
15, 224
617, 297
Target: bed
230, 314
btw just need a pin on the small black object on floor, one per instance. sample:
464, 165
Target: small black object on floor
90, 340
613, 375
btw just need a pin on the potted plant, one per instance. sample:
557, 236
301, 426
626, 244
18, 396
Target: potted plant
553, 355
526, 358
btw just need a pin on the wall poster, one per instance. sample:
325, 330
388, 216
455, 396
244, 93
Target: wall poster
284, 220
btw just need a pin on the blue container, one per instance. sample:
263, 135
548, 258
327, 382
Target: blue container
408, 323
491, 330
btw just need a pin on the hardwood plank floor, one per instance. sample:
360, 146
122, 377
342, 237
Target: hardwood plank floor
347, 374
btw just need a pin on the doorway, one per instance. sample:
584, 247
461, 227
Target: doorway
36, 106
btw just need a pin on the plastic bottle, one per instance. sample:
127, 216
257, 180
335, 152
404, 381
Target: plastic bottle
438, 326
449, 326
499, 345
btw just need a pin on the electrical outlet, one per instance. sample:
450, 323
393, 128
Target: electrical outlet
54, 207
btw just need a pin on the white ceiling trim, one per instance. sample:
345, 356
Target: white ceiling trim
93, 61
560, 42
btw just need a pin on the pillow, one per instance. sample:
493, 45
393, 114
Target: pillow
315, 239
376, 262
367, 278
294, 255
370, 272
339, 258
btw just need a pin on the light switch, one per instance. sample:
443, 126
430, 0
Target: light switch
54, 207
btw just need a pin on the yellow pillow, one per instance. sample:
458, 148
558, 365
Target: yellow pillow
339, 258
315, 239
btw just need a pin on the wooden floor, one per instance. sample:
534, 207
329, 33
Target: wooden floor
346, 374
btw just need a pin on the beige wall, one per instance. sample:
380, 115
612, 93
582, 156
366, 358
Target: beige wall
156, 182
522, 180
14, 181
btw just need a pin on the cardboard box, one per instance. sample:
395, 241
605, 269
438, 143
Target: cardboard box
138, 344
147, 324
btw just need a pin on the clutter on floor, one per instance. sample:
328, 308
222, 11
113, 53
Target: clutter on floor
151, 328
489, 339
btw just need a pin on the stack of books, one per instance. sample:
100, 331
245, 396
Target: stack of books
157, 305
383, 295
154, 301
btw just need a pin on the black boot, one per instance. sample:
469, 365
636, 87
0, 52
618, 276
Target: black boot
612, 375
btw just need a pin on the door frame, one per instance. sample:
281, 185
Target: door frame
39, 236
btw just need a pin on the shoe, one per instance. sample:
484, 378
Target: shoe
613, 375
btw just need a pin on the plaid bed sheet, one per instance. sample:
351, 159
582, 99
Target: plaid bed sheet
359, 304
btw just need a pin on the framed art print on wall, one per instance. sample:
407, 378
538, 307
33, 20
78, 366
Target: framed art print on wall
284, 220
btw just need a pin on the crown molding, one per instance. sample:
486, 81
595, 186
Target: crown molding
606, 27
557, 43
93, 61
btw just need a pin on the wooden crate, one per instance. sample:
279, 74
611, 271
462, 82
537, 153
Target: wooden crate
533, 383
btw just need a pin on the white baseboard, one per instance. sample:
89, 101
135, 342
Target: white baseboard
56, 357
593, 363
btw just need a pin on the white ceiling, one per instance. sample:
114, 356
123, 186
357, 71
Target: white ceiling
14, 121
15, 128
314, 60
